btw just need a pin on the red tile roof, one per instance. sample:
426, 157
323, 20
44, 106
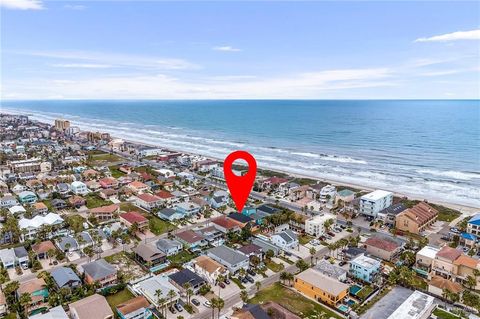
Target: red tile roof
189, 236
133, 217
276, 180
149, 198
226, 222
449, 253
421, 213
164, 194
105, 209
382, 243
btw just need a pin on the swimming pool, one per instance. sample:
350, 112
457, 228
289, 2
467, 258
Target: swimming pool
350, 302
343, 308
355, 289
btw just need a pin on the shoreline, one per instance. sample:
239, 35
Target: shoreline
464, 209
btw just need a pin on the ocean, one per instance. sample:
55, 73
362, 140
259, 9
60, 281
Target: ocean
426, 148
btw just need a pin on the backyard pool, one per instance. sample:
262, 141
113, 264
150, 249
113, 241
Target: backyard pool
343, 308
355, 289
350, 302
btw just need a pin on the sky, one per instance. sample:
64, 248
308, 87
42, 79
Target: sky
239, 50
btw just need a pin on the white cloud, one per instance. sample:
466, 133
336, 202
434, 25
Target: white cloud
226, 48
454, 36
74, 6
22, 4
117, 60
81, 65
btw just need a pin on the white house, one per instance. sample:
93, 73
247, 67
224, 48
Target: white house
79, 188
208, 269
327, 194
169, 246
8, 201
286, 239
32, 226
148, 201
315, 226
372, 203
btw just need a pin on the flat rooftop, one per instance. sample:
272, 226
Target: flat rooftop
376, 195
428, 251
415, 307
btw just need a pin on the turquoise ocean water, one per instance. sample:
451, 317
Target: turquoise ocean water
427, 148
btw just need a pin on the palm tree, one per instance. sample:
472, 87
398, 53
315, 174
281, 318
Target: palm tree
25, 300
160, 300
283, 276
188, 289
312, 253
214, 304
244, 296
171, 294
258, 284
220, 305
470, 282
290, 278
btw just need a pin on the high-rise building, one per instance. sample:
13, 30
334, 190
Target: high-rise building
61, 124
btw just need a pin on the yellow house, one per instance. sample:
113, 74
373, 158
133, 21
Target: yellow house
320, 287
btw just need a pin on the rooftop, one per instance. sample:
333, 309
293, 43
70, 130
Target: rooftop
376, 195
325, 283
428, 251
415, 307
92, 307
132, 305
366, 262
449, 253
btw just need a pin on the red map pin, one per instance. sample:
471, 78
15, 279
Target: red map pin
240, 186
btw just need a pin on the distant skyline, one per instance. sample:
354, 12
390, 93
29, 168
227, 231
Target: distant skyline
237, 50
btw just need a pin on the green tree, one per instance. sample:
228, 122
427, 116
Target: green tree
25, 300
244, 296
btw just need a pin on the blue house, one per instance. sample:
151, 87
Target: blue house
170, 214
27, 197
249, 211
364, 268
65, 277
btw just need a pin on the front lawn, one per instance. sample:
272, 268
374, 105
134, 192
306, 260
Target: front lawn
364, 292
93, 201
293, 301
103, 159
158, 226
118, 298
273, 266
116, 173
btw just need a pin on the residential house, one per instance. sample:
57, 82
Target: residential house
273, 183
30, 227
208, 268
108, 182
417, 306
389, 215
443, 262
226, 224
79, 188
169, 214
27, 197
92, 307
242, 220
169, 247
77, 201
464, 267
213, 236
41, 249
187, 209
100, 271
37, 289
130, 218
8, 258
39, 208
65, 277
315, 226
21, 256
424, 260
374, 202
8, 201
230, 258
105, 213
17, 210
331, 270
63, 189
166, 197
251, 311
471, 237
59, 204
364, 268
148, 201
286, 240
191, 239
138, 187
252, 250
416, 219
383, 247
184, 277
266, 245
437, 285
54, 313
151, 286
107, 193
148, 255
344, 196
135, 308
320, 287
327, 195
67, 244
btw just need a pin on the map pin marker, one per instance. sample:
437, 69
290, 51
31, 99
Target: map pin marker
240, 186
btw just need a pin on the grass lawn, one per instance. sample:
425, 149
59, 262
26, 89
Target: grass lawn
104, 158
182, 257
364, 292
93, 201
131, 207
75, 222
442, 314
118, 298
115, 172
305, 239
238, 282
158, 226
293, 301
273, 266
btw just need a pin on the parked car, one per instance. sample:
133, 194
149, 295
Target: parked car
227, 281
244, 280
342, 263
195, 302
326, 257
179, 307
250, 279
251, 272
207, 304
172, 309
222, 285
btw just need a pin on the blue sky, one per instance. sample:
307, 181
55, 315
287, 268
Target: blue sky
209, 50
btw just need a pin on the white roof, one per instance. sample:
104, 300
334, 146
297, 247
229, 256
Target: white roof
428, 251
17, 209
37, 221
54, 313
414, 307
366, 262
7, 256
321, 218
376, 195
149, 286
78, 184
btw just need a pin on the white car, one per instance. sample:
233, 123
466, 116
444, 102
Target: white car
207, 304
